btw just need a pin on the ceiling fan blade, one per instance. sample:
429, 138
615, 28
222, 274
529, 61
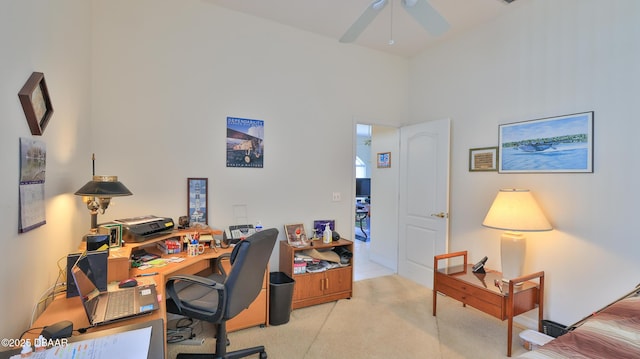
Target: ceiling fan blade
363, 21
426, 16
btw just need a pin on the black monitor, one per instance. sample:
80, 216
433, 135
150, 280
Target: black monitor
363, 187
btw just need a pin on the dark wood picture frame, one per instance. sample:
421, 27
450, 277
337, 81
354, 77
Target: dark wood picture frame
483, 159
36, 103
198, 200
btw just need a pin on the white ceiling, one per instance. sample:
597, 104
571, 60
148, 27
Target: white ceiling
332, 18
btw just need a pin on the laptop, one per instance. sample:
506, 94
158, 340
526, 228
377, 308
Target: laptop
106, 307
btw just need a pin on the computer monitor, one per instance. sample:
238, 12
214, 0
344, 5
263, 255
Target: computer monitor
363, 187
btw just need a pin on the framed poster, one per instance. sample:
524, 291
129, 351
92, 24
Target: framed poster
197, 200
554, 144
245, 147
483, 159
36, 103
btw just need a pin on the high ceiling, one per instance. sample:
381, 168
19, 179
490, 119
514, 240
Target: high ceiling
332, 18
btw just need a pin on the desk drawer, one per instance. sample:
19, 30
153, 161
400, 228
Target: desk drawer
485, 301
482, 294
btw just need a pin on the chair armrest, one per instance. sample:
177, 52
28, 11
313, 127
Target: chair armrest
219, 260
195, 279
188, 308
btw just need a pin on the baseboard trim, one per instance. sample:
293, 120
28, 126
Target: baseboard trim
392, 265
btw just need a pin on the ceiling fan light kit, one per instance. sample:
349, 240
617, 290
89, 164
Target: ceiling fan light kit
428, 17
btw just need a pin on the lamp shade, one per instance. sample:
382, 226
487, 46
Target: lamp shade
516, 210
104, 186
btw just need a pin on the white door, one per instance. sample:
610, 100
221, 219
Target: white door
424, 198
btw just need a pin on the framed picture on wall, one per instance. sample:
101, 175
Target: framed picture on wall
483, 159
36, 103
554, 144
197, 200
384, 159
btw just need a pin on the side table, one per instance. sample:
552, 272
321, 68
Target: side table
479, 291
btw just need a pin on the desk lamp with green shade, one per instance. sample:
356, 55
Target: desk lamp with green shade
515, 211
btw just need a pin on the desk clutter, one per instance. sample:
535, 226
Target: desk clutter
314, 261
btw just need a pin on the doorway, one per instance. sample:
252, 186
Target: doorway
375, 204
363, 165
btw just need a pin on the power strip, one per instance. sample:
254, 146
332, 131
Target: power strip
193, 341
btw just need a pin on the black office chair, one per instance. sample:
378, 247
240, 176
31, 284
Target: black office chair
223, 297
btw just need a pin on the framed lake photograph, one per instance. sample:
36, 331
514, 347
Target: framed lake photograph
554, 144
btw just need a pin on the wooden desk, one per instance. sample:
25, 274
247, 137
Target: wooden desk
479, 291
71, 309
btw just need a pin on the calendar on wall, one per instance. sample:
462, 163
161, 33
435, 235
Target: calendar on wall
33, 163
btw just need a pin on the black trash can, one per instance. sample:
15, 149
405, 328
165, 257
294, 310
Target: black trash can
280, 297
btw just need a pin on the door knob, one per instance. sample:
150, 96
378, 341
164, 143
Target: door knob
439, 215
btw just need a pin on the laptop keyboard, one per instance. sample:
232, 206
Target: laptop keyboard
121, 303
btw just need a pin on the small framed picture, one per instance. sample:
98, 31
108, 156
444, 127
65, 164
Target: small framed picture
296, 235
36, 103
384, 159
318, 226
483, 159
197, 200
114, 230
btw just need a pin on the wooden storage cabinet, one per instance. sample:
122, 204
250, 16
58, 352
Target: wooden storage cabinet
315, 288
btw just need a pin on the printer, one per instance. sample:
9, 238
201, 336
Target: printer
139, 229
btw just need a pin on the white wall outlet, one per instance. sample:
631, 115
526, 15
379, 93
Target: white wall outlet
337, 197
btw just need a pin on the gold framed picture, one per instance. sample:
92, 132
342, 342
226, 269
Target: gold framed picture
296, 236
36, 103
483, 159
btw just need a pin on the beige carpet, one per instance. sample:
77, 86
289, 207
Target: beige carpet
388, 317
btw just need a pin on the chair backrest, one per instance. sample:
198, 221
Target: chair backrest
249, 261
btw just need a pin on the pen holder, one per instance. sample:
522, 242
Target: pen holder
195, 249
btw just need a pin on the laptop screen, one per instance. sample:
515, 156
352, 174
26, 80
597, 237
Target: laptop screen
86, 288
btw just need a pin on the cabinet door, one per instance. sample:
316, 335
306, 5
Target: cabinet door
337, 280
308, 286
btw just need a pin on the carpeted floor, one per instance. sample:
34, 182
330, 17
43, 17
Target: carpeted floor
388, 317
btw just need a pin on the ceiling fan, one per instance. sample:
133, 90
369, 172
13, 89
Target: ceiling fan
428, 17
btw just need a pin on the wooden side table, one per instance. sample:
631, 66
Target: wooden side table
479, 291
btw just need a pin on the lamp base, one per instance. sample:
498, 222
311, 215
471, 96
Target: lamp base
512, 252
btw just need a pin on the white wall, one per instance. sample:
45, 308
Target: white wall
166, 75
50, 37
547, 58
384, 200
